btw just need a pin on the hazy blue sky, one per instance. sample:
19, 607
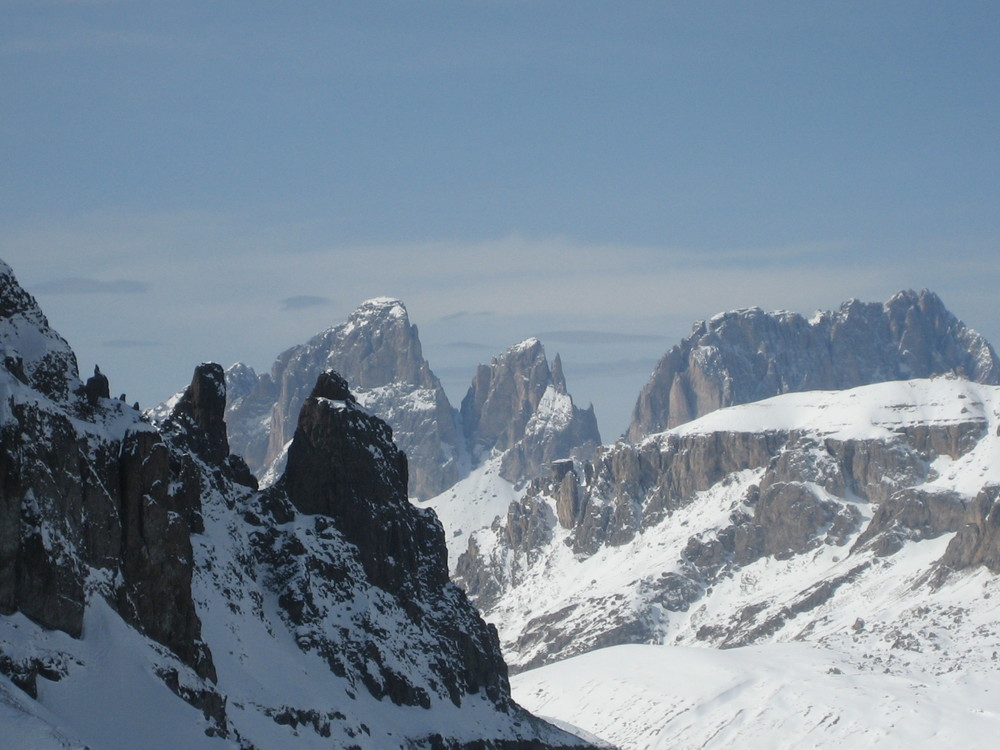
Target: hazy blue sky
186, 181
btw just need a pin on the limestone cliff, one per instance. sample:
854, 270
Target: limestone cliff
378, 352
519, 407
748, 355
680, 536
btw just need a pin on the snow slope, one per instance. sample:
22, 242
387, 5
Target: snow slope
839, 641
471, 504
785, 696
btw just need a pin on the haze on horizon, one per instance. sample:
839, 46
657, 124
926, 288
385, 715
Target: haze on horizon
219, 181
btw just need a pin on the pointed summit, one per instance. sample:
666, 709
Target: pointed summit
558, 379
518, 406
378, 352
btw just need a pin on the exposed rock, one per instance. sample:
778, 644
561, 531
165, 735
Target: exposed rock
343, 464
912, 515
98, 505
156, 555
748, 355
378, 352
197, 424
250, 400
200, 414
517, 406
978, 539
94, 489
97, 387
783, 492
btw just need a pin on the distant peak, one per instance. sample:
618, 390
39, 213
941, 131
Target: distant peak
382, 305
240, 368
528, 343
912, 296
378, 310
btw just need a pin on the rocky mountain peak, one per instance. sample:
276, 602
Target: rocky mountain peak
382, 345
202, 409
241, 379
747, 355
558, 379
342, 463
377, 350
169, 580
29, 349
517, 405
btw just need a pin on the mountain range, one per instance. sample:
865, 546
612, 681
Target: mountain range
152, 596
801, 520
516, 405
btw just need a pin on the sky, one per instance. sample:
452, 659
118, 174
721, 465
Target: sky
188, 181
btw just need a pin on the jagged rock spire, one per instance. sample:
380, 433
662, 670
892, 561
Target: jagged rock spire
518, 405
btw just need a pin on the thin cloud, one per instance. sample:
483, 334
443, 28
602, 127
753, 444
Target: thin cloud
581, 370
302, 301
466, 345
80, 285
597, 337
131, 344
466, 314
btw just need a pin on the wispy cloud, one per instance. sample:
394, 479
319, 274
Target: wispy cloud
131, 344
302, 301
80, 285
469, 345
597, 338
466, 314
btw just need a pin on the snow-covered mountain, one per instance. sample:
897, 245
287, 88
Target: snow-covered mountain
747, 525
517, 408
378, 352
151, 596
747, 355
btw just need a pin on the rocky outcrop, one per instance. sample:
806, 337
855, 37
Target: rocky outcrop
378, 352
912, 514
91, 492
748, 355
519, 407
343, 464
978, 539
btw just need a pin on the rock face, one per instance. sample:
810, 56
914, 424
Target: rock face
150, 547
748, 355
93, 500
978, 539
678, 538
378, 352
343, 464
517, 406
